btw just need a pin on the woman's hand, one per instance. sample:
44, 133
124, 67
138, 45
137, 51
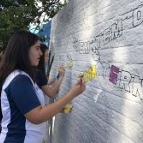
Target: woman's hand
78, 88
61, 71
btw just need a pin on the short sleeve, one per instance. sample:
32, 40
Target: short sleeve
21, 90
41, 78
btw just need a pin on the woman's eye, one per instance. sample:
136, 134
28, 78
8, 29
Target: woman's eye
37, 48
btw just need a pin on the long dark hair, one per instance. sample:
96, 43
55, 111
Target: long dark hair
41, 64
16, 55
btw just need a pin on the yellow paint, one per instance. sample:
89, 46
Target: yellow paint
89, 74
86, 76
92, 72
70, 64
67, 109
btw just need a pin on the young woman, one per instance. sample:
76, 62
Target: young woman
41, 77
45, 85
23, 108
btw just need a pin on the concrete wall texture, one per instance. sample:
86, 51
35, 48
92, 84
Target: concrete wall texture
103, 39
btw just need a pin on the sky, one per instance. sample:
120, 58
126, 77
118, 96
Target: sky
33, 26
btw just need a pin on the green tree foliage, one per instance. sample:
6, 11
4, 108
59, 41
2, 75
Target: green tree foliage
18, 14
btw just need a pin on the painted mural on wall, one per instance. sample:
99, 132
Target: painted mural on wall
123, 79
102, 43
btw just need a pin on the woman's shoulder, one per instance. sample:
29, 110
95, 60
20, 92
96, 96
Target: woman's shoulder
17, 77
40, 73
41, 78
22, 78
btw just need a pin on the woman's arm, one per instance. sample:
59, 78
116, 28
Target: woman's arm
51, 80
41, 114
54, 88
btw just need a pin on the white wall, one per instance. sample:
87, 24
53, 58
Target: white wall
107, 34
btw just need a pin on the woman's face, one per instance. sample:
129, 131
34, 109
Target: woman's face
46, 56
35, 54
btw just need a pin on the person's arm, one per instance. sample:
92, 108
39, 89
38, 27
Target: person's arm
41, 114
52, 90
51, 80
